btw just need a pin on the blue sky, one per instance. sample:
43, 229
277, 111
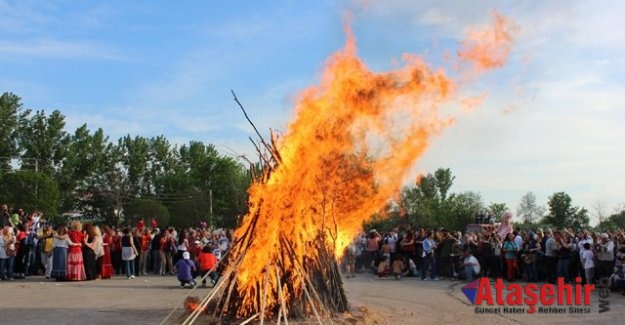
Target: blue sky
553, 120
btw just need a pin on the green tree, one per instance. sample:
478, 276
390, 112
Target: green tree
563, 214
30, 191
85, 157
43, 141
134, 157
11, 117
161, 162
443, 181
229, 199
529, 211
497, 209
206, 186
429, 204
146, 209
464, 207
107, 190
615, 220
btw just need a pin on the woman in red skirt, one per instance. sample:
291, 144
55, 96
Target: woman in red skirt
75, 264
106, 270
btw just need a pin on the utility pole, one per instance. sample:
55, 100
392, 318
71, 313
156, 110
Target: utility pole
36, 172
210, 206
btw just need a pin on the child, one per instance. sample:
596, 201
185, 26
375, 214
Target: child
588, 263
208, 264
183, 268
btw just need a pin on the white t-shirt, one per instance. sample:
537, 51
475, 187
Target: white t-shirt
587, 259
392, 241
472, 260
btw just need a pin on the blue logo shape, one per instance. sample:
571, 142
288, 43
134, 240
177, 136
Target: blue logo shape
470, 290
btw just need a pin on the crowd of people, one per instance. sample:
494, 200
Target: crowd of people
79, 252
501, 251
30, 246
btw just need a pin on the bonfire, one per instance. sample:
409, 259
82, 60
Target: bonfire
353, 142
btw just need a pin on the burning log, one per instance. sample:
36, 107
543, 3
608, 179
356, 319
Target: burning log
352, 144
288, 277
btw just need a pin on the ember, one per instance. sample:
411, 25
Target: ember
191, 304
352, 143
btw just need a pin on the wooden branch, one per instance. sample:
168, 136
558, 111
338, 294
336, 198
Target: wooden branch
248, 119
265, 289
281, 294
312, 303
260, 153
194, 315
250, 319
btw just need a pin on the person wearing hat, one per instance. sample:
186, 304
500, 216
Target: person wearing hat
605, 256
184, 269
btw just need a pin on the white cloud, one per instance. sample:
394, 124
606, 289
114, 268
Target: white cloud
51, 48
565, 132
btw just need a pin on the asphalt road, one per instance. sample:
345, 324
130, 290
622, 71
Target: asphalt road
148, 299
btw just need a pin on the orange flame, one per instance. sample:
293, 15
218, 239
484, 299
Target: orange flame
352, 143
489, 48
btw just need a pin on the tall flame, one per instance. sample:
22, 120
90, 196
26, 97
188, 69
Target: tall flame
353, 142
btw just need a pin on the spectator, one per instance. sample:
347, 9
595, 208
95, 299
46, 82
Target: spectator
23, 251
208, 265
550, 257
129, 253
46, 245
510, 248
584, 238
445, 249
106, 265
75, 263
428, 258
398, 267
589, 263
60, 244
145, 251
7, 253
167, 242
184, 267
5, 217
471, 266
605, 256
563, 252
98, 248
88, 253
116, 251
155, 247
373, 246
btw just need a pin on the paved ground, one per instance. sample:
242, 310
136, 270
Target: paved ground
147, 300
412, 301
